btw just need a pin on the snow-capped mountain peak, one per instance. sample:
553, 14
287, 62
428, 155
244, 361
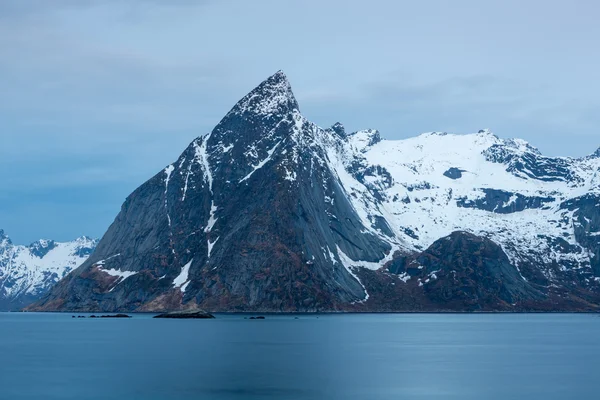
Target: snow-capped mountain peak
595, 154
27, 272
272, 97
364, 139
4, 239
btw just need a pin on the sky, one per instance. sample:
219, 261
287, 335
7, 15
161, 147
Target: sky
97, 96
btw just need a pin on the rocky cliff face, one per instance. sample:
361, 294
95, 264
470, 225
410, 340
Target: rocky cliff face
28, 272
271, 212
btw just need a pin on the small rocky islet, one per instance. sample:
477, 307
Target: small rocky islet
103, 316
194, 314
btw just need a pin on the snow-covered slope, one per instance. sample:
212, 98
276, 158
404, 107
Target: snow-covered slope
27, 272
436, 183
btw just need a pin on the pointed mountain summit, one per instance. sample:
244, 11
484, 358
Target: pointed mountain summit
260, 123
4, 237
273, 97
270, 212
339, 129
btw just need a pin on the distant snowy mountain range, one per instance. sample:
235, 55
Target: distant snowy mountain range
540, 210
271, 212
28, 272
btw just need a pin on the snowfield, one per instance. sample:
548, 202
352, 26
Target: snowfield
31, 270
422, 203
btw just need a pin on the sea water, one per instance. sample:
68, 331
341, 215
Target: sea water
345, 356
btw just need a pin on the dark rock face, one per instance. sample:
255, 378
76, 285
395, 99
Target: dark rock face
41, 248
531, 164
471, 271
243, 209
454, 173
464, 272
586, 212
339, 130
375, 177
502, 202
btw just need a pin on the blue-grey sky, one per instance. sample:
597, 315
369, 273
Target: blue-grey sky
97, 96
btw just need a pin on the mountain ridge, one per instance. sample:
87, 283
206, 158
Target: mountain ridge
28, 272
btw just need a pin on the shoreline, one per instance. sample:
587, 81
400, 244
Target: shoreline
297, 313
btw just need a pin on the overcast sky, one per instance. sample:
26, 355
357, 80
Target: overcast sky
97, 96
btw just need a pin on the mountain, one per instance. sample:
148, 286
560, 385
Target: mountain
28, 272
270, 212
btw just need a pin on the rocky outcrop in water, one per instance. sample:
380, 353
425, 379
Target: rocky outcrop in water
193, 314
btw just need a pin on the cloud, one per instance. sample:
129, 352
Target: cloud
401, 106
28, 8
107, 92
66, 98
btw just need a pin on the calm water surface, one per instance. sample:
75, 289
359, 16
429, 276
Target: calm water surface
52, 356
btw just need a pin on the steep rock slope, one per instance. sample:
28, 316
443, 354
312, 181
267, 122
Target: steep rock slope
251, 216
28, 272
271, 212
